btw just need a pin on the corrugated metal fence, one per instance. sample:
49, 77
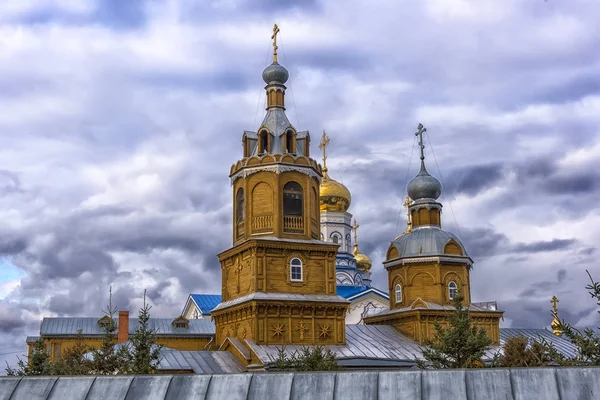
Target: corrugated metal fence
486, 384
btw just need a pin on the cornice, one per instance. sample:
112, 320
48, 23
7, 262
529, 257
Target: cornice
264, 243
277, 169
429, 259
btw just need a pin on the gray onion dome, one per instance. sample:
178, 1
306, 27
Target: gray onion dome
424, 186
275, 73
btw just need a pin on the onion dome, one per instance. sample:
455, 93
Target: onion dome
333, 196
363, 261
424, 186
275, 74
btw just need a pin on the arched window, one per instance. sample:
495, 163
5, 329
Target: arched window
292, 199
263, 142
239, 205
452, 289
348, 243
398, 291
289, 142
335, 239
296, 270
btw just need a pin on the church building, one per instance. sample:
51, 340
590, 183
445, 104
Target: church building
294, 274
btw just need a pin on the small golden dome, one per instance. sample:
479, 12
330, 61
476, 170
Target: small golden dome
333, 196
363, 262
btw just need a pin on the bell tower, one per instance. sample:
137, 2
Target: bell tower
278, 278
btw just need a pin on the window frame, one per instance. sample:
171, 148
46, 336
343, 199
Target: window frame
398, 291
452, 286
296, 269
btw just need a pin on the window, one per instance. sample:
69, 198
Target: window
292, 199
289, 142
296, 269
56, 349
398, 293
336, 239
263, 143
452, 290
347, 243
239, 205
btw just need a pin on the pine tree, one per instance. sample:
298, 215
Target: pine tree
73, 361
37, 364
143, 341
520, 351
587, 341
110, 359
315, 358
460, 345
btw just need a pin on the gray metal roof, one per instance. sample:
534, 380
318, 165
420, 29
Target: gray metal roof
363, 341
89, 326
201, 362
489, 384
426, 241
477, 307
282, 296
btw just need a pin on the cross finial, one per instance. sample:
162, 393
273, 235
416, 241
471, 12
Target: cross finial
408, 218
274, 37
355, 227
554, 301
323, 146
420, 130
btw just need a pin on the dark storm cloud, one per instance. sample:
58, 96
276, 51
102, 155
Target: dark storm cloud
471, 180
272, 6
114, 14
225, 81
551, 245
534, 313
11, 317
483, 242
580, 182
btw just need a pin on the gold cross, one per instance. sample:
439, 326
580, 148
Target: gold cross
323, 146
274, 37
355, 228
408, 219
554, 301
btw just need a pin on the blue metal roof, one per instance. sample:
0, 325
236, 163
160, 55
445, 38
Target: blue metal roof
348, 292
206, 302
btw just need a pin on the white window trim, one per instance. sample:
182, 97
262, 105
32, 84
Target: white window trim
292, 266
398, 290
452, 286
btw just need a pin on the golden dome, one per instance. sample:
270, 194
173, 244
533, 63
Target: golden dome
363, 262
333, 196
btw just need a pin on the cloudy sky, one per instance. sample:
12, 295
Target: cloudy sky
120, 120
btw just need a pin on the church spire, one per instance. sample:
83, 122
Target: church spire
423, 186
275, 76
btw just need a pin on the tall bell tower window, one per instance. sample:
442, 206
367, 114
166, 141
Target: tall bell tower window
263, 143
452, 290
289, 142
239, 205
296, 270
292, 199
